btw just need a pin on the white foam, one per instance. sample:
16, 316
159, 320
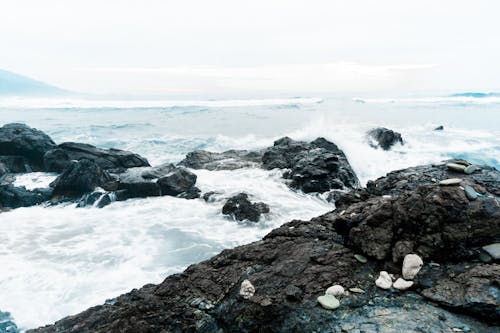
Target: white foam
34, 180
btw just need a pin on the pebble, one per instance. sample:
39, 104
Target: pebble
362, 259
247, 290
470, 193
412, 264
336, 290
450, 181
357, 290
329, 302
455, 167
485, 257
471, 168
402, 284
493, 250
384, 280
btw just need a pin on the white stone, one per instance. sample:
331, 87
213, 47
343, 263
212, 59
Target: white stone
412, 264
384, 280
336, 290
247, 290
402, 284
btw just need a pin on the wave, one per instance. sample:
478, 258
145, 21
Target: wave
70, 103
476, 95
454, 99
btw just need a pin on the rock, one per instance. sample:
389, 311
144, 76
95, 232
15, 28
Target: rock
384, 138
318, 166
384, 280
247, 290
105, 158
210, 196
456, 167
15, 197
357, 290
493, 250
470, 193
89, 199
328, 302
439, 128
240, 208
177, 182
293, 293
30, 143
450, 182
471, 169
228, 160
402, 284
79, 178
7, 324
14, 164
158, 171
362, 259
336, 290
412, 264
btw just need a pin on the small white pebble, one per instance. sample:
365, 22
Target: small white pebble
336, 290
412, 264
402, 284
247, 290
384, 280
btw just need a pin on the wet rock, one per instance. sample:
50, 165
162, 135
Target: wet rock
14, 164
384, 138
7, 324
402, 284
439, 128
471, 169
210, 196
158, 171
79, 178
470, 193
293, 293
105, 158
329, 302
247, 290
178, 182
384, 280
15, 197
89, 199
241, 208
412, 264
362, 259
228, 160
22, 140
318, 166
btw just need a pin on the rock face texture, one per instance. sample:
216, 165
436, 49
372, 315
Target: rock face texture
58, 159
228, 160
295, 263
15, 197
384, 138
240, 208
26, 142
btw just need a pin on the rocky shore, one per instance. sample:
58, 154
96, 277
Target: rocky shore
447, 215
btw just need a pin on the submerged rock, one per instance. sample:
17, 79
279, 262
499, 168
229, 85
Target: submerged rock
384, 138
7, 324
439, 128
21, 140
240, 208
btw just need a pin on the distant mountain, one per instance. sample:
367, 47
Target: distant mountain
18, 85
476, 95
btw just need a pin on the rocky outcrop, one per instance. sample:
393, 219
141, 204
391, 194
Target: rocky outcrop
297, 262
241, 208
25, 142
318, 166
80, 177
228, 160
58, 159
384, 138
15, 197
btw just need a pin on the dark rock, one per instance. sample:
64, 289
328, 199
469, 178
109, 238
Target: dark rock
136, 186
191, 193
158, 171
177, 182
105, 158
56, 160
89, 199
104, 200
240, 208
439, 128
384, 138
210, 196
79, 178
15, 197
293, 293
228, 160
318, 166
14, 164
30, 143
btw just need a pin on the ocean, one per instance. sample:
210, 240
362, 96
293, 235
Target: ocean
59, 260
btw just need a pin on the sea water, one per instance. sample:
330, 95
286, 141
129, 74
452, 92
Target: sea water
57, 261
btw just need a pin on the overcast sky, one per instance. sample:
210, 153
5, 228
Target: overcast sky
230, 46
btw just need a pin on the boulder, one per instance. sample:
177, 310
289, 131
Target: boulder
80, 177
15, 197
106, 159
24, 141
177, 182
384, 138
240, 208
14, 164
318, 166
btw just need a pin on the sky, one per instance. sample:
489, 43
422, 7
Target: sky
153, 47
